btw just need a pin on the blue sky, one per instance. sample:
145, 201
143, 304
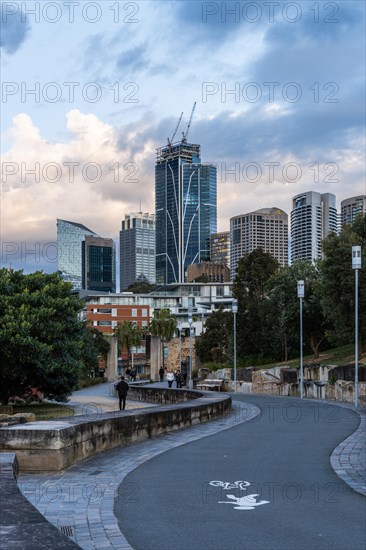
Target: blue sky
280, 92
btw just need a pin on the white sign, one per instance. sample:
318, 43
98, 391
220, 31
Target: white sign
247, 502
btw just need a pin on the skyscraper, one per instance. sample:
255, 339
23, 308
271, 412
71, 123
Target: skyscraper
351, 208
266, 228
98, 264
70, 236
313, 217
220, 247
137, 249
185, 208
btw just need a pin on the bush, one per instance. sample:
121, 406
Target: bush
89, 382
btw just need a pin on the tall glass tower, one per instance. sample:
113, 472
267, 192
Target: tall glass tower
185, 209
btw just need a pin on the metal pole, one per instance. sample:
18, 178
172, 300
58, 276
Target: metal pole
356, 337
301, 366
180, 350
234, 351
190, 357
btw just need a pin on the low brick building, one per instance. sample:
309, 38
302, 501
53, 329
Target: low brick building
215, 272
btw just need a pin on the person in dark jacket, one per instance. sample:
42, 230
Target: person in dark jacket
161, 374
122, 388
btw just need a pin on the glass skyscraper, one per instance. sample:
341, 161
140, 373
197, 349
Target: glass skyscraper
185, 209
137, 249
70, 236
99, 264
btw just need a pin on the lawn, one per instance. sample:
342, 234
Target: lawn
45, 411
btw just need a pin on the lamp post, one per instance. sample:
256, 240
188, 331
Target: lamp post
301, 294
180, 346
190, 320
234, 307
356, 265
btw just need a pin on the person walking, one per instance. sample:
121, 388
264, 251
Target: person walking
178, 379
122, 388
161, 374
170, 378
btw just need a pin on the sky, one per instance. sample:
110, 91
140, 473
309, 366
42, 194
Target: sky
91, 89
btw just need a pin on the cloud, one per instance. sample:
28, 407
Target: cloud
15, 27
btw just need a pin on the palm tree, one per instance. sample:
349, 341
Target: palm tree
128, 336
163, 325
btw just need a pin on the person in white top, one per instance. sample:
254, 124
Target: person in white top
170, 378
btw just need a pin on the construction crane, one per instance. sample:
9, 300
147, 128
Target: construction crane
170, 141
185, 134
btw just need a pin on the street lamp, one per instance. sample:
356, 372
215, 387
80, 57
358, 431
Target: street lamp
190, 320
301, 294
234, 307
180, 347
356, 265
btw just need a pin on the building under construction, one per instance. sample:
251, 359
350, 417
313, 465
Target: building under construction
185, 207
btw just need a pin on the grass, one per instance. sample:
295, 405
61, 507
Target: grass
45, 411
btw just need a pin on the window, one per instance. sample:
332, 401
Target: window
144, 313
134, 313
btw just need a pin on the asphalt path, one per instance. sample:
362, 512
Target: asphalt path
188, 499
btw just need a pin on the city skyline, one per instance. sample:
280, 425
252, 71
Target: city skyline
274, 129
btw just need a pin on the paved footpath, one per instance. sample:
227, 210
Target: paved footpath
269, 460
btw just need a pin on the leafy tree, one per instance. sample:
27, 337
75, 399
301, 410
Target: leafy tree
338, 284
95, 346
282, 311
41, 335
216, 343
128, 336
202, 278
250, 284
163, 325
142, 287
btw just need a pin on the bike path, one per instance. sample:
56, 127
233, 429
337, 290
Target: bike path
281, 458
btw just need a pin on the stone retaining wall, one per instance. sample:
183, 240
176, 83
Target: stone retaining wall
57, 444
21, 525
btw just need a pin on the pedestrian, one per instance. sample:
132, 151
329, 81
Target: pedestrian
178, 379
122, 388
133, 375
161, 374
170, 378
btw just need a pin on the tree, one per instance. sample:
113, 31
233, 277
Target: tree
250, 285
282, 311
216, 343
95, 346
163, 325
142, 287
338, 284
41, 335
128, 335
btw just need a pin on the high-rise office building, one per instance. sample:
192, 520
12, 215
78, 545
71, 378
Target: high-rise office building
137, 249
185, 209
70, 236
266, 228
351, 208
220, 248
98, 264
313, 217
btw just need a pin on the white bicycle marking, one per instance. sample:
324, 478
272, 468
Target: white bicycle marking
247, 502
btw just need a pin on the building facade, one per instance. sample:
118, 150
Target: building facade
313, 217
212, 271
266, 228
137, 249
185, 209
70, 236
98, 264
220, 248
351, 208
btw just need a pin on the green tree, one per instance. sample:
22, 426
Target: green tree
338, 284
129, 335
282, 311
216, 343
250, 286
142, 287
163, 325
41, 336
95, 346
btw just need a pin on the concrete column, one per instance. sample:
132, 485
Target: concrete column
155, 358
112, 371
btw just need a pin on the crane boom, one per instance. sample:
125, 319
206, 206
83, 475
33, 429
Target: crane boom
170, 140
185, 134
